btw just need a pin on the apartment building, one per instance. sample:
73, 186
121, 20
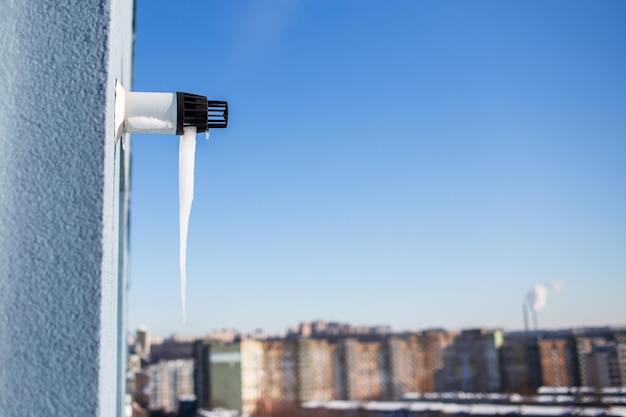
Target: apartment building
280, 386
472, 362
605, 365
521, 367
170, 380
361, 368
315, 370
428, 354
559, 362
236, 375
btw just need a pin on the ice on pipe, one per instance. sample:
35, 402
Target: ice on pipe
186, 162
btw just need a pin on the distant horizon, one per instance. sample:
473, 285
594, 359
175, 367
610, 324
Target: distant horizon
393, 330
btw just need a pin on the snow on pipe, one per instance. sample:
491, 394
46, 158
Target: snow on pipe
178, 113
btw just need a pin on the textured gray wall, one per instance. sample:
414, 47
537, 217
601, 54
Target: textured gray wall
61, 274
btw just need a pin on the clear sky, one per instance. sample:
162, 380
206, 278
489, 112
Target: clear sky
412, 163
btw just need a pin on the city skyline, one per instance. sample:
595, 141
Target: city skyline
344, 329
421, 164
328, 362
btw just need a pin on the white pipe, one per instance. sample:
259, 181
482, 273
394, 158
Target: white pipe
150, 112
165, 113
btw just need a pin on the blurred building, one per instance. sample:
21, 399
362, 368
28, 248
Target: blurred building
606, 365
621, 361
280, 384
168, 381
334, 328
273, 376
358, 367
201, 381
321, 329
236, 374
225, 335
134, 363
428, 353
398, 376
314, 369
559, 362
374, 369
141, 389
142, 342
584, 346
187, 406
521, 366
305, 329
170, 349
472, 363
281, 376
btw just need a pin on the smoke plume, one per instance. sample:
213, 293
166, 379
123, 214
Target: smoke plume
537, 297
557, 285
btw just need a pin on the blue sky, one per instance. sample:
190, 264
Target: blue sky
421, 163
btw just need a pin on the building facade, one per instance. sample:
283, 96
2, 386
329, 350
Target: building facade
315, 370
521, 367
559, 362
142, 342
472, 362
281, 376
605, 365
170, 380
236, 375
428, 353
280, 384
64, 207
362, 369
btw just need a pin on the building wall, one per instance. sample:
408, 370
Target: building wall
364, 363
400, 377
621, 362
168, 381
472, 362
237, 375
584, 345
225, 375
201, 382
252, 375
140, 389
558, 362
521, 369
603, 366
428, 355
142, 342
171, 349
63, 206
315, 370
281, 378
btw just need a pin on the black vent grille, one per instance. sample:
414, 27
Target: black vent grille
194, 110
191, 112
217, 114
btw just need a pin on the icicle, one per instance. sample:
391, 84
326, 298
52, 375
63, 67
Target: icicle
186, 162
